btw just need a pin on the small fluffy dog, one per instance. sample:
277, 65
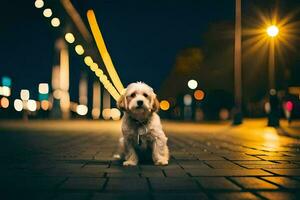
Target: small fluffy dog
141, 126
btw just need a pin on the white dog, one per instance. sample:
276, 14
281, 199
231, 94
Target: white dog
141, 126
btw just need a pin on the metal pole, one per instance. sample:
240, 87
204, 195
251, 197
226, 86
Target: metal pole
237, 118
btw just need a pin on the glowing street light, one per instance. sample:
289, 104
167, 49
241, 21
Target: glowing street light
18, 104
25, 95
192, 84
272, 31
88, 60
164, 105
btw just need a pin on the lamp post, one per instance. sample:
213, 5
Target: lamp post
273, 117
237, 114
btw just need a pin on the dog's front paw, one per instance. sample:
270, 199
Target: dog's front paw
161, 162
129, 163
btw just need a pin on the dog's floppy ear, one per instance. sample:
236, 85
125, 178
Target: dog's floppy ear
155, 104
122, 102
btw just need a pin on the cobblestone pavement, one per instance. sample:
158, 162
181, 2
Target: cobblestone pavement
73, 160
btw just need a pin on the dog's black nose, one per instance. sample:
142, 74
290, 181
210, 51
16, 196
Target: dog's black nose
140, 103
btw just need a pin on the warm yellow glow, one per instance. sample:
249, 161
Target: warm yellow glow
70, 38
115, 114
103, 51
43, 88
5, 91
4, 102
99, 72
272, 31
199, 95
39, 3
96, 100
18, 104
79, 49
31, 105
82, 110
45, 105
88, 60
192, 84
55, 22
25, 95
164, 105
47, 12
106, 113
94, 66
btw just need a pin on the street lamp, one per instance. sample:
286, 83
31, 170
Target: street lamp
273, 117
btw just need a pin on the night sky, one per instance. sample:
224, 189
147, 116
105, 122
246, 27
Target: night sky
143, 37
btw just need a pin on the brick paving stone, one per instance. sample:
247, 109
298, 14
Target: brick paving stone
173, 184
180, 196
123, 174
284, 182
280, 195
285, 172
127, 184
271, 166
275, 158
175, 173
75, 183
72, 196
223, 164
122, 196
152, 174
240, 157
217, 183
253, 183
228, 172
193, 164
254, 162
235, 195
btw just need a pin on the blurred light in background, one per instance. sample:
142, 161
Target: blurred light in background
115, 114
25, 95
43, 88
164, 105
79, 49
187, 100
47, 12
18, 105
82, 110
31, 105
45, 105
106, 113
70, 38
83, 90
96, 111
267, 107
99, 72
289, 106
6, 81
192, 84
88, 60
94, 66
55, 22
4, 102
224, 114
39, 3
5, 91
272, 31
199, 95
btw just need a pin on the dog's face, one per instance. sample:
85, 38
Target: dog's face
139, 100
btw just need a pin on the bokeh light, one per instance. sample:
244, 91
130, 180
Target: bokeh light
187, 100
18, 105
31, 105
43, 88
47, 12
70, 38
39, 3
115, 114
25, 95
82, 110
4, 102
106, 113
79, 49
45, 105
164, 105
55, 22
192, 84
88, 60
199, 95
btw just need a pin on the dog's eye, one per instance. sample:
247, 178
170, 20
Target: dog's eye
145, 95
132, 95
